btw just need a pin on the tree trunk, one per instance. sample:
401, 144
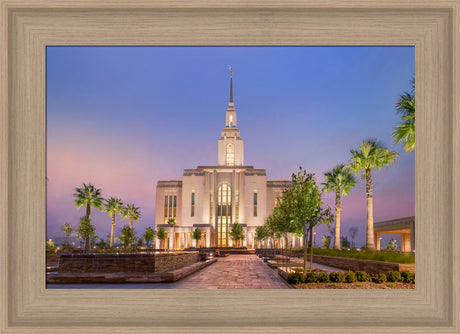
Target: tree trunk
87, 245
338, 209
370, 245
305, 244
112, 232
311, 248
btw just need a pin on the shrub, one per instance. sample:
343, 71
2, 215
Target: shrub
296, 278
312, 277
407, 277
337, 277
394, 276
323, 277
362, 276
350, 277
379, 278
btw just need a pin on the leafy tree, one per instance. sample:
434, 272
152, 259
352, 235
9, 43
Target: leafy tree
353, 231
326, 240
50, 245
149, 235
302, 205
340, 180
197, 235
332, 233
88, 196
405, 131
102, 244
392, 245
371, 155
261, 234
112, 207
171, 221
236, 234
86, 230
68, 230
132, 213
161, 235
127, 236
140, 242
344, 242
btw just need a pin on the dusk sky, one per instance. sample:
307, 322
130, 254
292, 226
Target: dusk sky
123, 118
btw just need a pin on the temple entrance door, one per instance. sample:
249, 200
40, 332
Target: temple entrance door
224, 214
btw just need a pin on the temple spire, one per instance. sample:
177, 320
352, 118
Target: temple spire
231, 83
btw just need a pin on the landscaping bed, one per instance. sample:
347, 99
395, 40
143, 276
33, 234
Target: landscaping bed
318, 279
356, 285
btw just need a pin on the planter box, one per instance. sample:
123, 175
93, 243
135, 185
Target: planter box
114, 263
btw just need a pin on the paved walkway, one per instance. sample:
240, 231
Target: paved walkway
234, 272
231, 272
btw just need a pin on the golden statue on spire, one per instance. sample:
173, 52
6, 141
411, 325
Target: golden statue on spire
231, 71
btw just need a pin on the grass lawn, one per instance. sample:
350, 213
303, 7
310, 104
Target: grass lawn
375, 256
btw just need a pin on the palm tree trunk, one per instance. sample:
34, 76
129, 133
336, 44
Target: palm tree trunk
370, 245
88, 216
112, 232
88, 211
338, 209
131, 228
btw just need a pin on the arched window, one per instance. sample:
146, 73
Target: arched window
231, 120
230, 156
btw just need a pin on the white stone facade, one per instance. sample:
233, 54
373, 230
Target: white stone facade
214, 197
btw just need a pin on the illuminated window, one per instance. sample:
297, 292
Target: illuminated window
170, 207
255, 204
224, 214
192, 211
231, 120
230, 155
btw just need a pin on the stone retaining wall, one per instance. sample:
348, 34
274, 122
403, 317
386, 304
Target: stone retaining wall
113, 263
173, 260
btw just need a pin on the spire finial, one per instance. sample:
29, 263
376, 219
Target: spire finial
231, 83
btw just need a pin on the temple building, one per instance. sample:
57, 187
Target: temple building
214, 197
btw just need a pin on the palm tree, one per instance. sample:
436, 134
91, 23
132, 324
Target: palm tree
132, 213
340, 179
372, 154
112, 207
88, 196
405, 131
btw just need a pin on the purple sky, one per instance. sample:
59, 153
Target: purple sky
123, 118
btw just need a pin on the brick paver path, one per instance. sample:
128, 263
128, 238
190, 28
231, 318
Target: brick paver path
234, 272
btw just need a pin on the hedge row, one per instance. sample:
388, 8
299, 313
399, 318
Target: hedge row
350, 277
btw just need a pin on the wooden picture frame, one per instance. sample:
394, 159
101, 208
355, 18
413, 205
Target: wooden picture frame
28, 26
